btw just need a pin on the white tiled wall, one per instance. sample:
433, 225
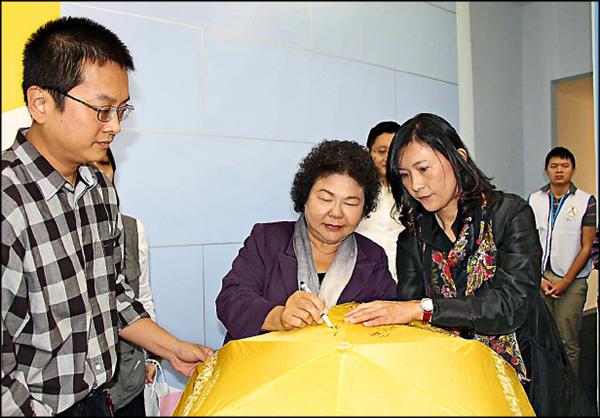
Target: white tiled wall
230, 96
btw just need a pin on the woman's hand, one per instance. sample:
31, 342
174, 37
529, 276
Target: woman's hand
150, 373
383, 313
302, 309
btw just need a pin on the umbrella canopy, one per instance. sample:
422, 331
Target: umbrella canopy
355, 370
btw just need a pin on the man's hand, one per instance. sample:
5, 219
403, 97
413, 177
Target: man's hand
185, 356
546, 286
558, 287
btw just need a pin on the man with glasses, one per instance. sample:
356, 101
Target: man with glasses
104, 113
381, 225
64, 299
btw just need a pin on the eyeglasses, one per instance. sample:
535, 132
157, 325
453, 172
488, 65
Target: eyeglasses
104, 113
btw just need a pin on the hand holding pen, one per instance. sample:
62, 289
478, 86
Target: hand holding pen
305, 288
301, 309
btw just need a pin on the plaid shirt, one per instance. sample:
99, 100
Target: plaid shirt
63, 296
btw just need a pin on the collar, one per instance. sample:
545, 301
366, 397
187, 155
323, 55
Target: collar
432, 233
434, 236
572, 188
289, 249
48, 180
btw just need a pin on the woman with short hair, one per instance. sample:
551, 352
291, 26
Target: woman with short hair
336, 186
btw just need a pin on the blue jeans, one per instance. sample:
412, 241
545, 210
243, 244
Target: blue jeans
567, 311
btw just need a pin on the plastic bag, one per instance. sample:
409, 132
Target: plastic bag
160, 399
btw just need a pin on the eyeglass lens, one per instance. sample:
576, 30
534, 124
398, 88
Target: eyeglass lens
107, 113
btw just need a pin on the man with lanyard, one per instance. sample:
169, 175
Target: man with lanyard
566, 222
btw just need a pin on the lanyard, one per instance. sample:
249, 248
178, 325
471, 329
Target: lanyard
560, 203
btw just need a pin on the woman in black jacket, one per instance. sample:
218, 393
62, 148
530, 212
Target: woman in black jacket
469, 261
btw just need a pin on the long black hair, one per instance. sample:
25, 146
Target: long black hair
437, 133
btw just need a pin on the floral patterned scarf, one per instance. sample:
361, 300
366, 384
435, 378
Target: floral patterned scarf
480, 268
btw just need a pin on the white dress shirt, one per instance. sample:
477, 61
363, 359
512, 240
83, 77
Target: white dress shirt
145, 296
382, 228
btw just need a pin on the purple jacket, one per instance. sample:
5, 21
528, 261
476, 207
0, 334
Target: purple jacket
263, 276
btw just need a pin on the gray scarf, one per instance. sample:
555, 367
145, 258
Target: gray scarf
339, 272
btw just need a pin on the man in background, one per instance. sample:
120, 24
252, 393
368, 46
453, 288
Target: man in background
381, 226
566, 221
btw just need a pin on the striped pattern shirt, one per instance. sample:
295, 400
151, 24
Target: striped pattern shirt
63, 295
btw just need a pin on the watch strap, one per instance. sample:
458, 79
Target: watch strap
426, 317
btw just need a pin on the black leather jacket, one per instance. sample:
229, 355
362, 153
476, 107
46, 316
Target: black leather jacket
511, 301
503, 306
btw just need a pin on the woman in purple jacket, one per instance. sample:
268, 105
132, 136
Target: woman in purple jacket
336, 186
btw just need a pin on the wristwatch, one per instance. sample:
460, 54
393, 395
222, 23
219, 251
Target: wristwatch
427, 308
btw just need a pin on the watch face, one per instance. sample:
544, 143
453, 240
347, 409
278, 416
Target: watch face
427, 305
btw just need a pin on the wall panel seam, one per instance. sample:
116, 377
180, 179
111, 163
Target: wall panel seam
211, 135
204, 296
204, 244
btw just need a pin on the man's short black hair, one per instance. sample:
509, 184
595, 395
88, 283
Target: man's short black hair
385, 127
55, 54
560, 152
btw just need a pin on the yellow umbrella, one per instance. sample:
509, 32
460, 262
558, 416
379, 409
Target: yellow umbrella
355, 370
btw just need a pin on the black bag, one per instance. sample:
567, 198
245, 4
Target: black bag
554, 389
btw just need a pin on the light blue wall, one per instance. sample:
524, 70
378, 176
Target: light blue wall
230, 96
498, 92
517, 49
557, 43
595, 15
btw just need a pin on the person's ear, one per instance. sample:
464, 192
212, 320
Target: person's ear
463, 153
37, 103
